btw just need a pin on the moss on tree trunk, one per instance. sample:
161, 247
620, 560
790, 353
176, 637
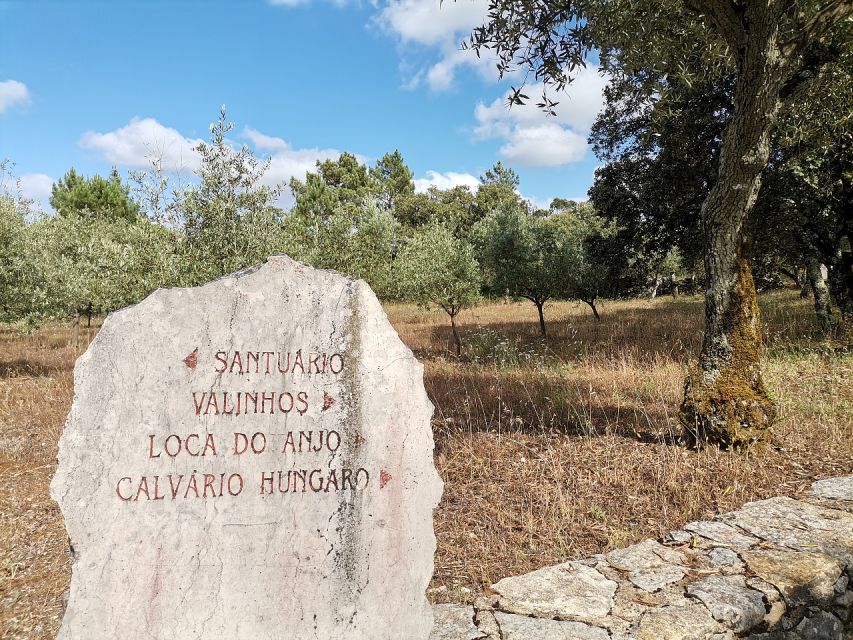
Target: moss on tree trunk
725, 401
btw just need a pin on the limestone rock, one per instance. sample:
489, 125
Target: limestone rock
802, 577
454, 622
690, 622
515, 627
726, 559
834, 488
650, 565
730, 601
569, 590
798, 525
679, 537
488, 625
721, 533
251, 458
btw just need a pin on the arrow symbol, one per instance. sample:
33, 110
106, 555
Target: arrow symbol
192, 360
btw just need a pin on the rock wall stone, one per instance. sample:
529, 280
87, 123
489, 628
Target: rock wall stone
778, 569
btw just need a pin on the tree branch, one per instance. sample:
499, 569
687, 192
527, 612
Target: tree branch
724, 18
821, 22
810, 71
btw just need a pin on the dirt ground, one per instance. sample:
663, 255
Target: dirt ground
550, 449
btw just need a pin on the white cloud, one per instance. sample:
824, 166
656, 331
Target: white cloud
578, 106
446, 180
263, 141
35, 186
432, 22
437, 24
13, 94
141, 140
287, 162
144, 138
545, 145
295, 163
533, 138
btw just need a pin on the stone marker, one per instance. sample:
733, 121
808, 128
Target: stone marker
250, 459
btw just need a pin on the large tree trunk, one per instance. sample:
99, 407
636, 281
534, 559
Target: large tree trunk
725, 401
822, 306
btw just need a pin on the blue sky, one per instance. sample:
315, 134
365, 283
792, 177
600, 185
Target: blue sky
111, 83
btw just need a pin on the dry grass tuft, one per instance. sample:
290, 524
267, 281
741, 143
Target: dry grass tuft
550, 450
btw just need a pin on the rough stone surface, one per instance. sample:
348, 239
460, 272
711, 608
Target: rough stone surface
726, 559
515, 627
569, 590
690, 622
779, 582
821, 626
182, 530
834, 488
802, 577
650, 565
730, 601
721, 533
454, 622
799, 525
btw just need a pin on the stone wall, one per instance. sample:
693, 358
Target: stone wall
778, 569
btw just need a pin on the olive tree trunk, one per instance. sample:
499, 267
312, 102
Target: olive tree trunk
822, 305
542, 328
841, 282
456, 338
75, 331
726, 402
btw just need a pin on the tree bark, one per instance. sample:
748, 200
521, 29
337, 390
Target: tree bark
75, 331
841, 282
656, 286
456, 337
792, 275
725, 401
673, 281
539, 306
822, 304
591, 304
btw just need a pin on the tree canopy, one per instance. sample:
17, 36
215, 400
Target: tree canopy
96, 196
773, 52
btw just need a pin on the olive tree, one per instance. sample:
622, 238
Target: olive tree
20, 291
437, 269
776, 51
229, 217
540, 258
88, 264
358, 241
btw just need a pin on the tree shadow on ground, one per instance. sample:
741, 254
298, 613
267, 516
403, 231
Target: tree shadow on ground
23, 368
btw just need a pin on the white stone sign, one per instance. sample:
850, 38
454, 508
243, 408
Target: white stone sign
250, 459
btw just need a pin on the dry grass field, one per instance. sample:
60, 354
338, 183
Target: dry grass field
550, 450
